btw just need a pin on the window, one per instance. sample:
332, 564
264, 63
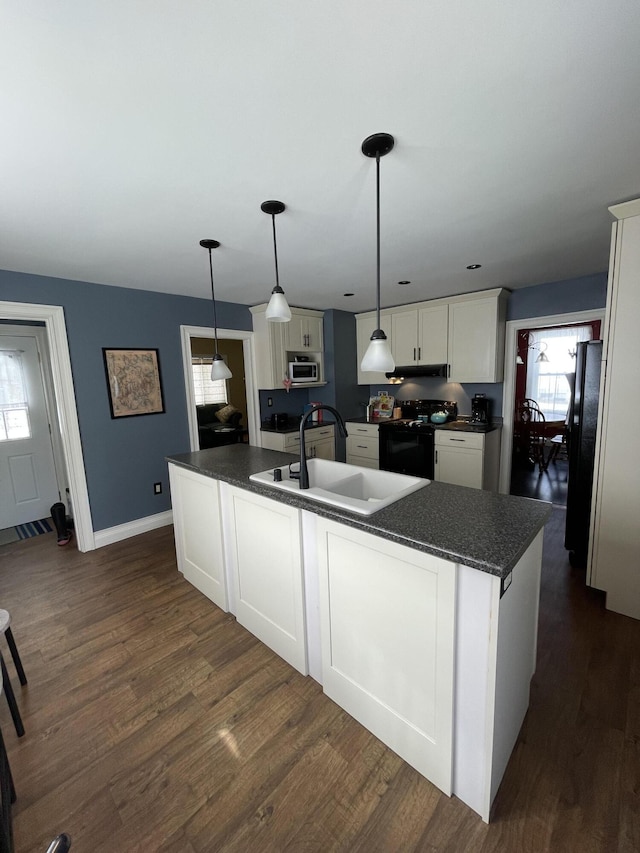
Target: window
207, 391
14, 405
547, 381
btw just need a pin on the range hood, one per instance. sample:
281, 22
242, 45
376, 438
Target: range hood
412, 371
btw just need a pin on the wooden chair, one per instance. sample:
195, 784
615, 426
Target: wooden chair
532, 430
5, 628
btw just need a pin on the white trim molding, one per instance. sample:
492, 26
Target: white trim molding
509, 387
248, 351
65, 403
132, 528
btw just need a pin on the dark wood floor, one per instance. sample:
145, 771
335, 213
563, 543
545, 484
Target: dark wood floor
155, 723
550, 485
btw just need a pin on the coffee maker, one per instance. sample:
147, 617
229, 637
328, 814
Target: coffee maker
480, 409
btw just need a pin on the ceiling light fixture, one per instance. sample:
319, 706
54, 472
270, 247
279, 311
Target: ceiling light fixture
219, 369
531, 343
278, 310
378, 355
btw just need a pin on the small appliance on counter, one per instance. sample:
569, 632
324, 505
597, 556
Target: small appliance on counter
480, 409
280, 421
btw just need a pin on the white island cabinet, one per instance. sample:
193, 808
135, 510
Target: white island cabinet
384, 603
266, 573
469, 459
432, 655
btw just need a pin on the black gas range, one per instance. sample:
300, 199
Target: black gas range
407, 444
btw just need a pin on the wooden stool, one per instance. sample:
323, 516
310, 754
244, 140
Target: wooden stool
5, 628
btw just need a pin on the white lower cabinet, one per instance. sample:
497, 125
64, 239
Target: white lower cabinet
363, 444
266, 555
387, 627
198, 533
433, 657
468, 458
318, 441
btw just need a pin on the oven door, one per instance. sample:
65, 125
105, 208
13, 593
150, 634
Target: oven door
407, 451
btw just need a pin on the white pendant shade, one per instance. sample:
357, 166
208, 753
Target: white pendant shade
378, 357
219, 369
278, 310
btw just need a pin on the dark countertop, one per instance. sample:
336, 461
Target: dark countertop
468, 426
486, 531
295, 427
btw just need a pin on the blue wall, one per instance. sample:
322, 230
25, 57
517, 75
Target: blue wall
558, 297
124, 457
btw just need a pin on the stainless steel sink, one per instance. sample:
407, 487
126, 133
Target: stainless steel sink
350, 487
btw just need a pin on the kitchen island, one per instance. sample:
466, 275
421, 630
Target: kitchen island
419, 620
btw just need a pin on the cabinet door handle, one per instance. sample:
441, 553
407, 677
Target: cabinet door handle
419, 353
458, 439
436, 462
414, 353
362, 446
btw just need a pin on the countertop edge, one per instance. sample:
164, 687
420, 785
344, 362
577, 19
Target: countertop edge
432, 509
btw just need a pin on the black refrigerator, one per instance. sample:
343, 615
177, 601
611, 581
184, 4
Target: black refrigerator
581, 447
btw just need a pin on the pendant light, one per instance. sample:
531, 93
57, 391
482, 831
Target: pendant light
219, 369
378, 355
278, 310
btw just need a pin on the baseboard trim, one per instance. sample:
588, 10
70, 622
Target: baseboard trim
132, 528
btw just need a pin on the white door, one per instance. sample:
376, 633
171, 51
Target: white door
28, 484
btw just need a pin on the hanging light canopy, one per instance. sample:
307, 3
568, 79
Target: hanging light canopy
219, 369
278, 310
378, 355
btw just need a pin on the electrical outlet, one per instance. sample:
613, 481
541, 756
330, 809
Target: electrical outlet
269, 401
157, 488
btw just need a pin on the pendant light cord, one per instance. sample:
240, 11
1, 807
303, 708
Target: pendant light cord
378, 241
275, 248
213, 296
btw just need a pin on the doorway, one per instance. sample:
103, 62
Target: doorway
542, 488
51, 317
31, 464
242, 390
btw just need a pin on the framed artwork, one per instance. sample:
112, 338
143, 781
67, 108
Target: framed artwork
133, 378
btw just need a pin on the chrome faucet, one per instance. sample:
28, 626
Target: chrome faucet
304, 471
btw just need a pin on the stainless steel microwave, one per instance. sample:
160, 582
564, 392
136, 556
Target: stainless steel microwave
303, 371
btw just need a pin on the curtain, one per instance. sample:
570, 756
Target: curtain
547, 382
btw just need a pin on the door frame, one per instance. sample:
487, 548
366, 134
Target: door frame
248, 352
65, 405
40, 335
509, 387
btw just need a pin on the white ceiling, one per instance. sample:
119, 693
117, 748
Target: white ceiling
134, 128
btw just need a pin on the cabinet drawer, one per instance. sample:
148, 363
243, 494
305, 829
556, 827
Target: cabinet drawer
321, 432
292, 442
362, 445
444, 438
357, 429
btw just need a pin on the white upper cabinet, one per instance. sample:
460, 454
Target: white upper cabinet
276, 344
476, 337
420, 335
365, 326
466, 332
304, 331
